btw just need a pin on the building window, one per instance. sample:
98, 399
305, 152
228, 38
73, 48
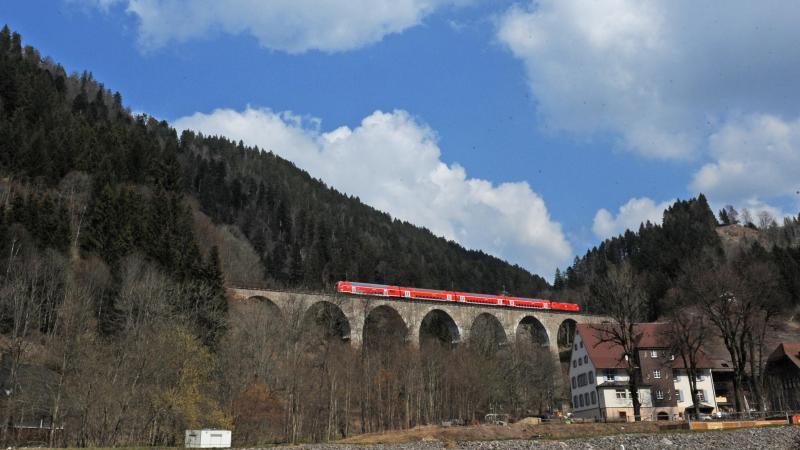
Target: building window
594, 398
580, 361
575, 363
672, 357
582, 379
586, 359
654, 353
580, 397
591, 377
574, 401
660, 394
701, 395
574, 384
609, 375
656, 374
621, 393
679, 394
576, 347
581, 344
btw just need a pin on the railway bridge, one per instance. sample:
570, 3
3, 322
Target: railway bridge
359, 318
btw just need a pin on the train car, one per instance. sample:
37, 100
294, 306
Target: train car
448, 296
565, 306
531, 303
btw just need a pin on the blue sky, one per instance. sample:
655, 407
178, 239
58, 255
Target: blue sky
530, 130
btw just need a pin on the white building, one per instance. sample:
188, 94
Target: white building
599, 381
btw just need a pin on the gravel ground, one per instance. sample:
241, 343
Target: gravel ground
778, 438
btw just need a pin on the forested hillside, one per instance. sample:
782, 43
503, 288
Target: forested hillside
58, 127
310, 235
117, 238
690, 240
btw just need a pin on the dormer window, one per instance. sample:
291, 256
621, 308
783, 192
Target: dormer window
654, 353
656, 374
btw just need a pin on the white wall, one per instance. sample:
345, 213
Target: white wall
705, 384
581, 366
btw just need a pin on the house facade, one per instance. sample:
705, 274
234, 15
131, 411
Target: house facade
599, 381
782, 374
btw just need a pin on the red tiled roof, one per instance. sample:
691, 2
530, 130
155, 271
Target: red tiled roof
790, 350
608, 355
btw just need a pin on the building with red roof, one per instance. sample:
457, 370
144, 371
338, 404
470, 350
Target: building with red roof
599, 382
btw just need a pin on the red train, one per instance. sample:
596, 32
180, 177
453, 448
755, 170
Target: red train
381, 290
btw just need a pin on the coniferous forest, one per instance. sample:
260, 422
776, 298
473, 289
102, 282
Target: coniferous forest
118, 238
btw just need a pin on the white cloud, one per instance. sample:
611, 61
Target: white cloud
755, 157
629, 216
294, 26
393, 162
661, 75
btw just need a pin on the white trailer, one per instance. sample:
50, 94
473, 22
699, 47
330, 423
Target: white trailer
208, 438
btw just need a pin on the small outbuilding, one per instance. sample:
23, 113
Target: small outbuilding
208, 438
782, 374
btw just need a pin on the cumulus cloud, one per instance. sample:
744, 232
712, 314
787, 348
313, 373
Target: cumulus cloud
393, 162
662, 76
293, 26
757, 156
629, 216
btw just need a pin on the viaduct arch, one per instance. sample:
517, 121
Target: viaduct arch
356, 317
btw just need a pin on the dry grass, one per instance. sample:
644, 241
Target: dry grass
493, 432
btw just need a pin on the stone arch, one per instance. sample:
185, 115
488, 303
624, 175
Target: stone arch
438, 326
269, 304
384, 328
327, 321
531, 330
566, 333
486, 333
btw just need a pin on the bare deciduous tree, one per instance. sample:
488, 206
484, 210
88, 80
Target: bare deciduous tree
627, 305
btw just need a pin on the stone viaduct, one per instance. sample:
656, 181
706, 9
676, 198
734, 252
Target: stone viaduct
457, 320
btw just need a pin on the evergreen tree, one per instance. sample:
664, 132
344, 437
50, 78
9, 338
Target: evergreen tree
723, 217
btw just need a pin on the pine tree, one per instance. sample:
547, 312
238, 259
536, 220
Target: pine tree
723, 217
558, 280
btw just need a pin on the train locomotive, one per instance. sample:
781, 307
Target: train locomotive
410, 293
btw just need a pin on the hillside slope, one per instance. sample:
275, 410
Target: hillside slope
306, 235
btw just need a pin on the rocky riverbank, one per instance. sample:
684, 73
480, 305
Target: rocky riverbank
777, 438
